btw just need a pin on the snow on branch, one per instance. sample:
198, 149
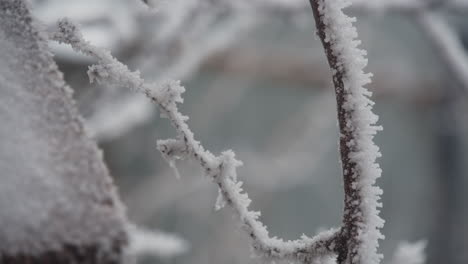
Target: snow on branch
221, 169
447, 44
359, 235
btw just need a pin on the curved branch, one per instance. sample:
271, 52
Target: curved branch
359, 234
221, 169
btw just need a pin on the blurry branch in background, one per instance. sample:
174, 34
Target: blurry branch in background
441, 35
190, 32
410, 253
448, 46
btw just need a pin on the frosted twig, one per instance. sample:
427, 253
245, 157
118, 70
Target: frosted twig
447, 45
359, 235
184, 26
221, 169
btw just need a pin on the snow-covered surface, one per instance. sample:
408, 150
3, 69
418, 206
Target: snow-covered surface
360, 123
55, 188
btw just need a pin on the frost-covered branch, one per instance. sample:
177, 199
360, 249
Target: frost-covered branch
188, 32
359, 235
221, 169
447, 44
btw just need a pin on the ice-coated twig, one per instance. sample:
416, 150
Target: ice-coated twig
221, 169
447, 44
359, 235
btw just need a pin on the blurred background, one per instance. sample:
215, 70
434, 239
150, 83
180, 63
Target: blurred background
257, 82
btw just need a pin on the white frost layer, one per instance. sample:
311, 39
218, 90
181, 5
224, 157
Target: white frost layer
351, 61
54, 186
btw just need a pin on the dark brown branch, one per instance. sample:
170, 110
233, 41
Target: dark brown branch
347, 243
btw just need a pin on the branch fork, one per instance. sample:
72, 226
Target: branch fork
356, 241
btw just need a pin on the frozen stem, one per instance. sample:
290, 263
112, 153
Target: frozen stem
357, 242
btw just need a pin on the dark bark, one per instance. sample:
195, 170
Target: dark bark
347, 242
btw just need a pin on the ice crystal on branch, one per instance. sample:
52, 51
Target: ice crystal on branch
360, 232
221, 169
